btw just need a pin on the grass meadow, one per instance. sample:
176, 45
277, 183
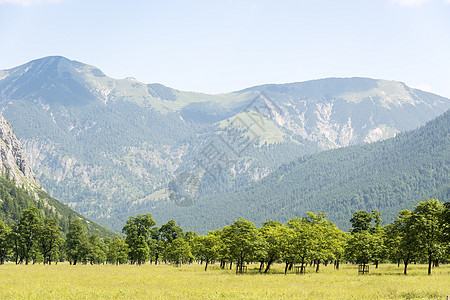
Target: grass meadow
63, 281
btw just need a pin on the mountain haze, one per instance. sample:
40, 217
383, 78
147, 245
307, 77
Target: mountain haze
109, 147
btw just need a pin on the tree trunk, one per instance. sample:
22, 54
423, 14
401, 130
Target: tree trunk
406, 266
269, 263
337, 265
317, 266
261, 266
286, 268
206, 265
376, 264
231, 264
436, 263
429, 264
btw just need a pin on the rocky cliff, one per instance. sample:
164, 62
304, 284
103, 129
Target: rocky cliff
12, 158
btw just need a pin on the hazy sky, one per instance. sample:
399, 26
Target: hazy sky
219, 46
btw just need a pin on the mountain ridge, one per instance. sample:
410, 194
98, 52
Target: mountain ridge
106, 146
387, 176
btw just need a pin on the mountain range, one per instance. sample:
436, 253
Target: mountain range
109, 148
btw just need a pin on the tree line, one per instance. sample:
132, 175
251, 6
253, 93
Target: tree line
420, 235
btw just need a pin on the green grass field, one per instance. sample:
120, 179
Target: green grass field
63, 281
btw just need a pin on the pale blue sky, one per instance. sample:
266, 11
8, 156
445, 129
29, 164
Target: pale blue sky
220, 46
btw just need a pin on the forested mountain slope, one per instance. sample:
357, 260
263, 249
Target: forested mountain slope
109, 147
20, 189
387, 176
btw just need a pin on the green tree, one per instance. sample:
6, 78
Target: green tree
50, 239
117, 252
445, 225
5, 233
427, 216
170, 231
359, 247
362, 220
403, 238
28, 230
178, 251
316, 239
207, 247
77, 242
138, 231
97, 250
243, 240
275, 235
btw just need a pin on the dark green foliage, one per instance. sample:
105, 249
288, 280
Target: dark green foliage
97, 251
361, 221
16, 200
77, 243
50, 240
26, 234
5, 245
427, 216
243, 240
138, 231
117, 252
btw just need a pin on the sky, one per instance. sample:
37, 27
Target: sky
218, 46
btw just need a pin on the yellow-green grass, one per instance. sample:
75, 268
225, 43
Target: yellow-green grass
63, 281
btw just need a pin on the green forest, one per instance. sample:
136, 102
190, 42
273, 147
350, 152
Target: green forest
386, 176
421, 235
14, 200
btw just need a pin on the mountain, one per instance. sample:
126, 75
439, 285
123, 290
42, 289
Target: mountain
387, 176
20, 188
109, 148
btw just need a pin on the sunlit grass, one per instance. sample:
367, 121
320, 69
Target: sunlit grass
63, 281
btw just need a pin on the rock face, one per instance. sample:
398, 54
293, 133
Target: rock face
12, 158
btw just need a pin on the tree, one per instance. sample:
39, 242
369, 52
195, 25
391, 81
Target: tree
189, 237
178, 251
362, 223
302, 242
275, 234
403, 238
50, 239
138, 231
379, 236
28, 230
170, 231
117, 252
5, 232
97, 250
445, 225
77, 243
316, 239
362, 220
207, 247
359, 247
327, 238
427, 216
243, 240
